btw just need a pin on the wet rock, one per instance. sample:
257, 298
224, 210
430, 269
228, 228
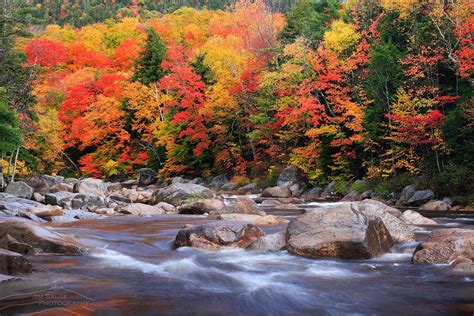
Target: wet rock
276, 192
39, 239
248, 188
74, 215
292, 178
13, 263
202, 206
329, 191
146, 176
443, 246
177, 193
168, 208
46, 211
247, 206
90, 186
421, 197
415, 218
140, 209
312, 194
338, 232
218, 181
19, 189
13, 205
271, 242
218, 235
52, 180
406, 194
398, 229
435, 206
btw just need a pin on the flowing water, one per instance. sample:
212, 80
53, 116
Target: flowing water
136, 271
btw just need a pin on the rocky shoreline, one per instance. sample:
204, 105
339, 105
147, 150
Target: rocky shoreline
360, 226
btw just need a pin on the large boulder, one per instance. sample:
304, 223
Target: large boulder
329, 191
435, 206
271, 242
420, 197
177, 193
146, 176
277, 192
398, 229
13, 205
338, 232
202, 206
91, 186
219, 181
444, 246
245, 205
415, 218
20, 189
13, 263
55, 198
60, 187
141, 209
215, 236
27, 237
406, 194
292, 178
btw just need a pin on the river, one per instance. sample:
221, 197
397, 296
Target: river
136, 271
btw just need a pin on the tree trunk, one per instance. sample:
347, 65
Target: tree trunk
14, 166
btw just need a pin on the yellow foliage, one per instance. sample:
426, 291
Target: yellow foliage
340, 37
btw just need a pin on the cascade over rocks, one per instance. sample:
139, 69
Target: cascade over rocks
341, 231
215, 236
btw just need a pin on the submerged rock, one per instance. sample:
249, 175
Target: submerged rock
27, 237
271, 242
445, 246
13, 263
338, 232
215, 236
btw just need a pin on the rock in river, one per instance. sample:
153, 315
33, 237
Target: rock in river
271, 242
13, 263
19, 189
177, 193
90, 186
338, 232
214, 236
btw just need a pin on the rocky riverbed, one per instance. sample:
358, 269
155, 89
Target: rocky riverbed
88, 246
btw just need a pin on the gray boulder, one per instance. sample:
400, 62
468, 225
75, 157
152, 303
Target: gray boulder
175, 194
20, 189
203, 206
146, 176
218, 181
248, 188
406, 194
179, 180
271, 242
52, 180
277, 192
197, 180
56, 197
215, 236
421, 197
329, 191
13, 206
228, 187
312, 194
292, 178
338, 232
91, 186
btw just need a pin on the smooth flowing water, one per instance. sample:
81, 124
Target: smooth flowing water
136, 271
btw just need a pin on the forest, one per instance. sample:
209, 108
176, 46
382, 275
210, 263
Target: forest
344, 90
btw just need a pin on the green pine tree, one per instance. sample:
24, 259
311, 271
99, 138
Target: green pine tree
149, 65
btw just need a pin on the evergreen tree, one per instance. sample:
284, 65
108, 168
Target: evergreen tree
9, 131
149, 65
